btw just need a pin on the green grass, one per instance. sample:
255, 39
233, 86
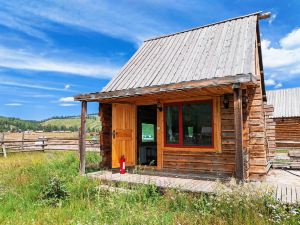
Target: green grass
44, 188
282, 150
91, 122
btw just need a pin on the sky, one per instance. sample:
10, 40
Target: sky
52, 50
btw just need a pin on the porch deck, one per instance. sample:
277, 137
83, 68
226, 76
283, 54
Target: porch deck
163, 182
284, 190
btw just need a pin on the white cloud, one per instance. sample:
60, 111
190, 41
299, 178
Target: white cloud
273, 17
292, 40
23, 25
14, 104
66, 104
283, 61
270, 82
278, 57
34, 86
279, 85
41, 96
32, 95
96, 16
66, 99
20, 59
67, 86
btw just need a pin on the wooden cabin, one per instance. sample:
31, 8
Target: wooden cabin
191, 102
286, 103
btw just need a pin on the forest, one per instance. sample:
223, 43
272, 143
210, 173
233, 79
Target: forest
62, 123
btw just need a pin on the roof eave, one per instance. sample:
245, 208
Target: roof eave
98, 96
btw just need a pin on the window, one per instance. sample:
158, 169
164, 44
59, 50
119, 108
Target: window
148, 133
172, 124
189, 124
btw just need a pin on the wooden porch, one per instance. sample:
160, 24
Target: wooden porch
164, 182
227, 153
287, 192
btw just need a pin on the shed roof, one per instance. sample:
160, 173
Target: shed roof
215, 51
286, 102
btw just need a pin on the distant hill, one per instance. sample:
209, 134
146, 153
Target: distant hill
73, 123
70, 123
15, 124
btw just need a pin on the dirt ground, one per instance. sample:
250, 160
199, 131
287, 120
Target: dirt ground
35, 135
281, 177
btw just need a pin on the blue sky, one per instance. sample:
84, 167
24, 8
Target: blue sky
51, 50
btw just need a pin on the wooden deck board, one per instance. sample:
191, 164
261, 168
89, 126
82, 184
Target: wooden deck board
286, 194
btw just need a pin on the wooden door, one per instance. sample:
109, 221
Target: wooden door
123, 134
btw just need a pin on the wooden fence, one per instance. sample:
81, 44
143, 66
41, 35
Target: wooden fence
44, 143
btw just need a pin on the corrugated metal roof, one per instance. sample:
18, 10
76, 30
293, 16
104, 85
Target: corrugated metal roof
286, 102
213, 51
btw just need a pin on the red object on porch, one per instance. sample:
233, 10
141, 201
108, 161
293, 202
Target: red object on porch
122, 165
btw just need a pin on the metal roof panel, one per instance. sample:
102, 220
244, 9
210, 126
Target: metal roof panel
218, 50
286, 102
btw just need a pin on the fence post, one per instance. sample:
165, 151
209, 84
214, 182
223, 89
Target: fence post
22, 144
2, 144
4, 150
43, 144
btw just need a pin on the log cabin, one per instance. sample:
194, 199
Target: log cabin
286, 115
191, 102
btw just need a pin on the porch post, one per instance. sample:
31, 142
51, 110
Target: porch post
238, 125
82, 137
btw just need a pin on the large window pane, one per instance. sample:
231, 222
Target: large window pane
197, 124
172, 124
148, 133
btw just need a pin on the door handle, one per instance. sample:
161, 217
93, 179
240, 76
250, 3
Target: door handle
114, 134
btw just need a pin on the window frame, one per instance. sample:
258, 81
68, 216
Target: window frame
180, 121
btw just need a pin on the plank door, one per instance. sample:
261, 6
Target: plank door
123, 134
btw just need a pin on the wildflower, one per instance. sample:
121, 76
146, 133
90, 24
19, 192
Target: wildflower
293, 212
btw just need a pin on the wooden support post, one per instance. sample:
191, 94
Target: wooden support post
43, 144
22, 144
1, 136
238, 124
4, 150
82, 144
3, 144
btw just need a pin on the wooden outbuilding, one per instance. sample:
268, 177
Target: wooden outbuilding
286, 103
191, 102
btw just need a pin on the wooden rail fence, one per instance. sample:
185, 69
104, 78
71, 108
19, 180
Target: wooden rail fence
44, 143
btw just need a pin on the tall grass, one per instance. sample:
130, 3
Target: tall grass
44, 188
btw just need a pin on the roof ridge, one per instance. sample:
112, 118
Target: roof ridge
208, 25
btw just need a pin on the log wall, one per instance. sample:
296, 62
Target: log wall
257, 148
287, 130
246, 135
270, 131
105, 115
